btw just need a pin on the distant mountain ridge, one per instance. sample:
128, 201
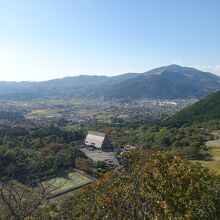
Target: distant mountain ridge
168, 82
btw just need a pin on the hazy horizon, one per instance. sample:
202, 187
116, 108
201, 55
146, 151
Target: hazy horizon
43, 40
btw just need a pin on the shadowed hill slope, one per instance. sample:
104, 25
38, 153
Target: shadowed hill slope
204, 110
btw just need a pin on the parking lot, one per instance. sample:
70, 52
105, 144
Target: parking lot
99, 155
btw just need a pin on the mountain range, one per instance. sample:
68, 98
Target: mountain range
168, 82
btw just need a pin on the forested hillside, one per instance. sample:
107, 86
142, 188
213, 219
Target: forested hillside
207, 109
152, 186
41, 151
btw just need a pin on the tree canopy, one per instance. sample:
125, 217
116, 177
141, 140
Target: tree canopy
150, 186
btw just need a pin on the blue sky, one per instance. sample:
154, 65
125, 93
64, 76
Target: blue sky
45, 39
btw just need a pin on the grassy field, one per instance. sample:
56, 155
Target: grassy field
42, 112
214, 163
214, 166
63, 184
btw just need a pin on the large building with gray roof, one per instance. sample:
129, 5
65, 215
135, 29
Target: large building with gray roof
98, 140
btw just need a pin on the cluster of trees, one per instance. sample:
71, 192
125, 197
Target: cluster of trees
187, 142
49, 160
136, 121
151, 186
96, 169
38, 136
30, 154
48, 149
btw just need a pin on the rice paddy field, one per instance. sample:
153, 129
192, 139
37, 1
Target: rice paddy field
64, 184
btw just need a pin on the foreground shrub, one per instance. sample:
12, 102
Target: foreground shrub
151, 186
